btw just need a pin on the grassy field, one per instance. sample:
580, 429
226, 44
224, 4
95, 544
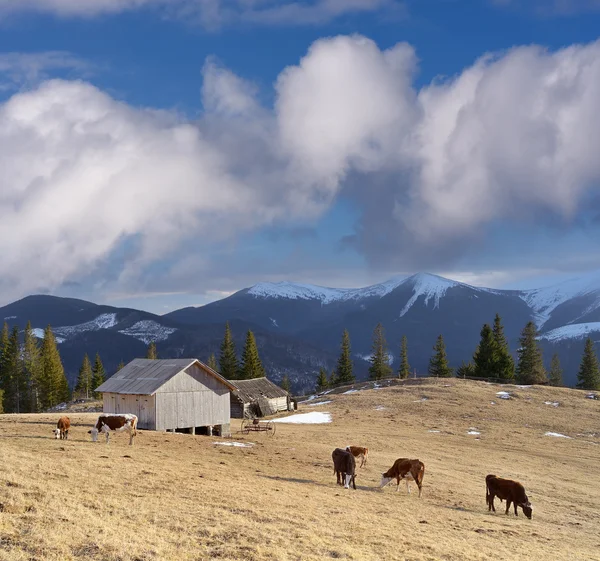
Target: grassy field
182, 497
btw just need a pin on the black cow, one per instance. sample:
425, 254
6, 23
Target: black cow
344, 464
509, 490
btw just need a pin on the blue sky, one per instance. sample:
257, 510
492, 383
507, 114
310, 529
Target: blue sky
163, 154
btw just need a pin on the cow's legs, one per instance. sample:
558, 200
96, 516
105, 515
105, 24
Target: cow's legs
515, 505
107, 436
420, 489
508, 501
130, 436
397, 484
407, 487
491, 503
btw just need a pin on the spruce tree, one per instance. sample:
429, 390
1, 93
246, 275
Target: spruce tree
228, 362
212, 362
31, 361
285, 384
404, 370
486, 357
98, 376
322, 382
84, 385
556, 373
505, 365
251, 365
152, 353
588, 377
12, 379
438, 363
530, 367
53, 384
332, 379
344, 373
120, 366
4, 374
465, 370
380, 366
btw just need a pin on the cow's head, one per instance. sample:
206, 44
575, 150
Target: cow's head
527, 509
94, 433
56, 433
384, 480
350, 478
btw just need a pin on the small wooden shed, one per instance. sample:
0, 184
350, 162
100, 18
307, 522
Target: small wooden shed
257, 397
170, 394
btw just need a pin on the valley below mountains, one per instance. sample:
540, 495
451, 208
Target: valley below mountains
298, 327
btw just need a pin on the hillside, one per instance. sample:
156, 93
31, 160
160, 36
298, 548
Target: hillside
174, 496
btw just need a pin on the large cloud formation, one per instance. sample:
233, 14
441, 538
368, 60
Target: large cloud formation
85, 175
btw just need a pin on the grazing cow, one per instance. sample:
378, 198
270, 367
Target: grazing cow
344, 464
403, 468
359, 452
62, 428
509, 490
114, 422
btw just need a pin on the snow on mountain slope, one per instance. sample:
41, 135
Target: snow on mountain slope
148, 331
543, 301
103, 321
39, 333
572, 331
297, 291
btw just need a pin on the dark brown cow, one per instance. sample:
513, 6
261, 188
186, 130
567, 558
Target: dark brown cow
359, 452
344, 464
117, 423
509, 490
403, 468
62, 428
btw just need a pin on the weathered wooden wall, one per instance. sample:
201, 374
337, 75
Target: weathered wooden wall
141, 405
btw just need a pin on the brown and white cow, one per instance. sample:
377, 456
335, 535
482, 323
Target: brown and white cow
359, 452
344, 465
509, 490
403, 468
114, 422
62, 428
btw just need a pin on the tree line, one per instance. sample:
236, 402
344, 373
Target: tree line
492, 359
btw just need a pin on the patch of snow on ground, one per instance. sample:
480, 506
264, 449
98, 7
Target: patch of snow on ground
492, 403
434, 430
10, 317
350, 391
572, 331
556, 434
319, 403
592, 396
39, 333
313, 418
553, 403
236, 444
379, 408
328, 391
148, 331
473, 432
523, 387
419, 400
503, 395
309, 398
103, 321
367, 358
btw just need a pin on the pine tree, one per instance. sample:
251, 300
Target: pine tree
152, 353
98, 376
380, 366
588, 377
251, 365
4, 373
31, 361
120, 366
438, 363
212, 362
322, 382
53, 384
12, 379
530, 367
555, 374
228, 362
404, 370
486, 357
465, 370
285, 384
84, 385
505, 365
344, 374
332, 379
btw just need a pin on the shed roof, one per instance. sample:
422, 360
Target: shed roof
144, 376
251, 390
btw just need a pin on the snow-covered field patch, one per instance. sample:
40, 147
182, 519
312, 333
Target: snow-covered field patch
236, 444
592, 396
39, 333
553, 403
148, 331
313, 418
379, 408
556, 434
103, 321
503, 395
572, 331
350, 391
319, 403
473, 432
434, 430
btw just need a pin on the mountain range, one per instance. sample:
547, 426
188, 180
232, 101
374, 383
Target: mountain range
298, 327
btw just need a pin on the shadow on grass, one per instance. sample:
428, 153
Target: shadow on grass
315, 483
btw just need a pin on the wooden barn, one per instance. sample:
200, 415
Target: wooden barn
170, 394
258, 397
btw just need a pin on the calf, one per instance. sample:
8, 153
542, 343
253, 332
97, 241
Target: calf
359, 452
344, 464
62, 428
509, 490
118, 423
403, 468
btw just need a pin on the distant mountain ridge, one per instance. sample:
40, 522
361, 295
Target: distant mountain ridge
298, 326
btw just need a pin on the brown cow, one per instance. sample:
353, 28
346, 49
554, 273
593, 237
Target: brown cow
403, 468
359, 452
113, 422
62, 428
509, 490
344, 465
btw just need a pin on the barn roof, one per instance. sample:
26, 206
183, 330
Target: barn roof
144, 376
251, 390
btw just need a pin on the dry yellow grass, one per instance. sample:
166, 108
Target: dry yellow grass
182, 497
